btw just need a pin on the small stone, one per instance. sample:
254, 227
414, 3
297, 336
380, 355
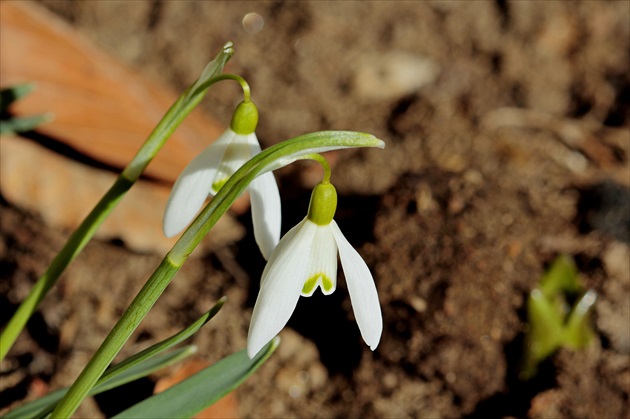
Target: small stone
390, 381
419, 304
393, 74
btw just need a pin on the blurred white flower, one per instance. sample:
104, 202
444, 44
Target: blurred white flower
306, 258
212, 168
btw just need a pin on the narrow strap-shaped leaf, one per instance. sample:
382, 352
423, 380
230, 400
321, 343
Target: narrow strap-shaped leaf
14, 93
199, 391
562, 276
132, 368
27, 123
578, 332
165, 344
13, 125
40, 408
545, 332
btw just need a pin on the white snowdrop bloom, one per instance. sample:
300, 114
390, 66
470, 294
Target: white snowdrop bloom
212, 168
306, 258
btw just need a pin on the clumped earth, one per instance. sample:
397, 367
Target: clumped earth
507, 136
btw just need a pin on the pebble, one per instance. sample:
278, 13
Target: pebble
393, 74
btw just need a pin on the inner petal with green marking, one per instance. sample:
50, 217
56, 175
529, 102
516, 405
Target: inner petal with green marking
319, 279
322, 271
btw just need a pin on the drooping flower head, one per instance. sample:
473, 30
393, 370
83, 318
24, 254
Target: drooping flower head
305, 259
212, 168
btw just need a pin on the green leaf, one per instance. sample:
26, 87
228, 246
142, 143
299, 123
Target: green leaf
37, 408
545, 332
578, 332
199, 391
132, 368
165, 344
27, 123
13, 93
212, 69
12, 125
42, 407
551, 325
545, 324
561, 276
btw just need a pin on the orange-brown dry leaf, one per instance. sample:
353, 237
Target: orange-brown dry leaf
101, 108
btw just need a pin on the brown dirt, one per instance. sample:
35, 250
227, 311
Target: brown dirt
511, 148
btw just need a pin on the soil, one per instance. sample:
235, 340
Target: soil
507, 132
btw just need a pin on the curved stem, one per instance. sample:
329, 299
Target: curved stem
244, 85
322, 161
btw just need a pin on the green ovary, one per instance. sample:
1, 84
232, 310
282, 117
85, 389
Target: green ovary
323, 205
245, 118
313, 281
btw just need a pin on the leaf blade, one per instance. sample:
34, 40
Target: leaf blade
202, 389
129, 369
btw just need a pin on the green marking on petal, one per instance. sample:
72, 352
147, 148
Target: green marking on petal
217, 185
313, 282
327, 284
310, 284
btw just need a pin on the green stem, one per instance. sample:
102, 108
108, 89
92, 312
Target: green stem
110, 347
73, 247
84, 233
323, 162
247, 96
272, 158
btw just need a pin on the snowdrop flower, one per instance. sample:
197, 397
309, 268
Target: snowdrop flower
306, 258
212, 168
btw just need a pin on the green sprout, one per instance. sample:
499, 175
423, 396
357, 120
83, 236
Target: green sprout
10, 124
552, 322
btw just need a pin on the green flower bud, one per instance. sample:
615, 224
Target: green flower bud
245, 118
323, 205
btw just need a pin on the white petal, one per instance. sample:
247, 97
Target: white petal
280, 286
363, 295
254, 144
192, 186
266, 212
323, 263
236, 155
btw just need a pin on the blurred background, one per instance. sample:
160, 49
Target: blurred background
507, 141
